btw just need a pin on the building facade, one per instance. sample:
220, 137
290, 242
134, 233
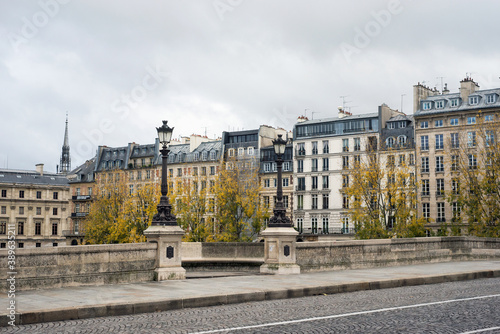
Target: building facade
34, 206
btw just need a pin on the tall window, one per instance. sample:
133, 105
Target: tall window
300, 202
472, 161
439, 142
3, 227
345, 162
345, 181
314, 147
425, 165
440, 163
490, 138
345, 202
300, 224
54, 228
301, 149
357, 144
455, 142
389, 142
325, 201
300, 166
20, 228
21, 193
314, 204
454, 162
471, 120
471, 139
440, 212
314, 167
325, 164
314, 225
325, 182
425, 188
345, 145
439, 187
426, 210
314, 182
325, 225
424, 143
38, 228
301, 183
326, 148
412, 159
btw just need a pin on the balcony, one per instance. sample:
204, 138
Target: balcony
330, 230
354, 130
300, 188
78, 214
72, 233
81, 197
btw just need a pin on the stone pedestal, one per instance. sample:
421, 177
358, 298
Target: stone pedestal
279, 251
168, 254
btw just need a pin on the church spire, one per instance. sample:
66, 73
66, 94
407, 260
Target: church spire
65, 165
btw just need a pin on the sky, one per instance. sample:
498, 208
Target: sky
118, 68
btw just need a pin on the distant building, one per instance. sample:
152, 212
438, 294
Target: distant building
35, 206
65, 163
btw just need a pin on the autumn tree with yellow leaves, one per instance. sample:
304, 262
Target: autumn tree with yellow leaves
382, 198
117, 214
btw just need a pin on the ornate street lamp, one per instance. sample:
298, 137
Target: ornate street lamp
279, 219
164, 217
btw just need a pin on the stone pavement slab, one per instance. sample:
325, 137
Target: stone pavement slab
119, 299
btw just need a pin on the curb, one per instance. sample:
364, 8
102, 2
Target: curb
86, 312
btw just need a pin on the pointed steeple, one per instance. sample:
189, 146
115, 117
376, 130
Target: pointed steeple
65, 165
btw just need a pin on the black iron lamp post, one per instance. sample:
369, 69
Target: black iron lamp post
279, 219
164, 217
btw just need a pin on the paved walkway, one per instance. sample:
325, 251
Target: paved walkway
121, 299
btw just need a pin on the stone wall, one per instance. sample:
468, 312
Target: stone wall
42, 268
223, 256
355, 254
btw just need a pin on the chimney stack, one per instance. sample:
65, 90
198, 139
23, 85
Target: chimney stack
467, 87
39, 169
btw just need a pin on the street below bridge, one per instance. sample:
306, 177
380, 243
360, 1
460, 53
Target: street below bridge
456, 307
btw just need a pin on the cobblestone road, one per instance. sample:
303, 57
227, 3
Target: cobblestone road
439, 308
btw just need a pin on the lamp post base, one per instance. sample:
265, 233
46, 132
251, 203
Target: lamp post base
172, 273
279, 251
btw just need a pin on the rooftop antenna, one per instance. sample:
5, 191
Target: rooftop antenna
442, 87
204, 127
305, 112
314, 112
344, 101
402, 95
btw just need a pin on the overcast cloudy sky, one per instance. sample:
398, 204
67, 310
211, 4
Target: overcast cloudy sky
120, 67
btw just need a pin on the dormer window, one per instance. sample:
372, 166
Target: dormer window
241, 151
250, 150
454, 103
204, 155
492, 98
213, 155
439, 104
402, 124
473, 100
402, 141
391, 125
389, 142
196, 156
426, 106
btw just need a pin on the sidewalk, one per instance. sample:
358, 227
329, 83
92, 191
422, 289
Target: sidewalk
121, 299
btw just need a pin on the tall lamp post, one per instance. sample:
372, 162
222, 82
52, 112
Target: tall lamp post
279, 219
280, 236
164, 230
164, 217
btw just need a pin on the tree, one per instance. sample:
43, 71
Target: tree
475, 168
381, 197
118, 214
239, 215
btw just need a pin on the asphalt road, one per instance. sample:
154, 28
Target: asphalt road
458, 307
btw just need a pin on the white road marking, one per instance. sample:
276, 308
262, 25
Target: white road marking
481, 330
353, 314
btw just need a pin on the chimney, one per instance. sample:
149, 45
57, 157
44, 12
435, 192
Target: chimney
467, 87
445, 89
39, 169
421, 92
342, 113
301, 119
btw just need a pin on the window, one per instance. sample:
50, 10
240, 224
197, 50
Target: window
131, 189
473, 100
345, 145
325, 164
425, 165
212, 170
286, 166
345, 181
285, 181
139, 175
389, 142
424, 125
454, 121
439, 164
402, 124
357, 160
21, 193
440, 212
455, 186
38, 228
471, 120
314, 225
472, 161
314, 180
488, 118
454, 102
325, 226
21, 210
314, 167
4, 210
300, 224
426, 105
426, 210
471, 139
455, 209
357, 144
267, 183
54, 211
390, 161
300, 166
54, 228
314, 147
412, 159
439, 104
267, 167
490, 138
402, 159
345, 202
301, 183
391, 125
20, 228
402, 141
439, 187
300, 202
326, 148
231, 152
241, 151
314, 203
438, 123
301, 149
425, 188
179, 171
250, 151
454, 162
455, 142
3, 227
325, 201
325, 182
439, 142
424, 143
491, 98
345, 162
